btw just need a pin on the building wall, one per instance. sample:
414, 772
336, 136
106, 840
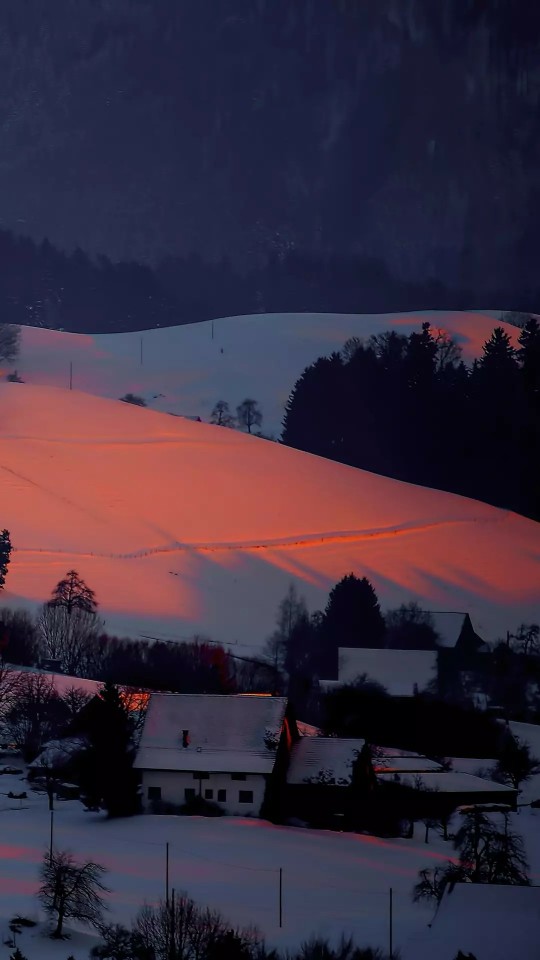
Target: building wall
173, 785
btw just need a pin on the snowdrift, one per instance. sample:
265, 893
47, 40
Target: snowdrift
184, 528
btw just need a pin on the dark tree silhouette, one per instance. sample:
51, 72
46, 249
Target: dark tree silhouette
408, 408
10, 338
5, 555
107, 774
71, 890
221, 415
73, 593
248, 414
516, 764
68, 623
410, 628
134, 399
352, 618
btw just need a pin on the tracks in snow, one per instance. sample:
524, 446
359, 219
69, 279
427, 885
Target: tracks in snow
280, 543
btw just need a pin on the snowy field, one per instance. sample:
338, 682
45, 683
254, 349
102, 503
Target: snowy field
184, 528
332, 882
186, 369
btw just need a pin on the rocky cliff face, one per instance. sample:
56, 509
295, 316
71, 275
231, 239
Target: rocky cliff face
406, 130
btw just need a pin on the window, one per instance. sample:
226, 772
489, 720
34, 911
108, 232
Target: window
154, 793
238, 776
189, 794
208, 794
222, 796
198, 775
245, 796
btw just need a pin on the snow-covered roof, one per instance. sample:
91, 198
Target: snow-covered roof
57, 753
307, 729
384, 764
449, 782
233, 734
489, 921
401, 672
328, 758
472, 764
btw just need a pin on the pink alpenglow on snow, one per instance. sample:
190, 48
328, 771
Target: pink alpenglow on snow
187, 369
182, 528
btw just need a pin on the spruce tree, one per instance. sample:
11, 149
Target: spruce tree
5, 555
107, 774
352, 618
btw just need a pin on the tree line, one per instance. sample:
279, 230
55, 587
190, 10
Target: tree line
41, 285
408, 407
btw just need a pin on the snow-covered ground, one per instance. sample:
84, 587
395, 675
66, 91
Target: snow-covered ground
186, 369
185, 528
332, 882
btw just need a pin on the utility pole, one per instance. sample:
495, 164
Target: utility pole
51, 840
281, 897
167, 874
51, 809
391, 924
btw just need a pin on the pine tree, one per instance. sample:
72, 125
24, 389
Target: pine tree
352, 617
5, 555
499, 357
529, 358
107, 773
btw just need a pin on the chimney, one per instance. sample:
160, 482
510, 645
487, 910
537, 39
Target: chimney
185, 738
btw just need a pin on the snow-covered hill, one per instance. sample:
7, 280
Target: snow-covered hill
185, 528
186, 369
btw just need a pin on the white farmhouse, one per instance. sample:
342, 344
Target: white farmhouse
219, 748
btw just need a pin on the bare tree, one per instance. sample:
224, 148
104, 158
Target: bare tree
135, 700
10, 682
221, 416
527, 639
72, 890
248, 414
66, 635
290, 611
516, 763
68, 623
36, 715
10, 338
75, 698
448, 351
181, 929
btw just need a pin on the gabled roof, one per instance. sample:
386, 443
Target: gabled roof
449, 625
401, 672
449, 782
327, 758
490, 921
229, 734
384, 764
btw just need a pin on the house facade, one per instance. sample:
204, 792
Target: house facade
223, 749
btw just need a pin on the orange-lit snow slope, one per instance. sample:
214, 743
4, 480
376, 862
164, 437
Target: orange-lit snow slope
187, 369
182, 527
